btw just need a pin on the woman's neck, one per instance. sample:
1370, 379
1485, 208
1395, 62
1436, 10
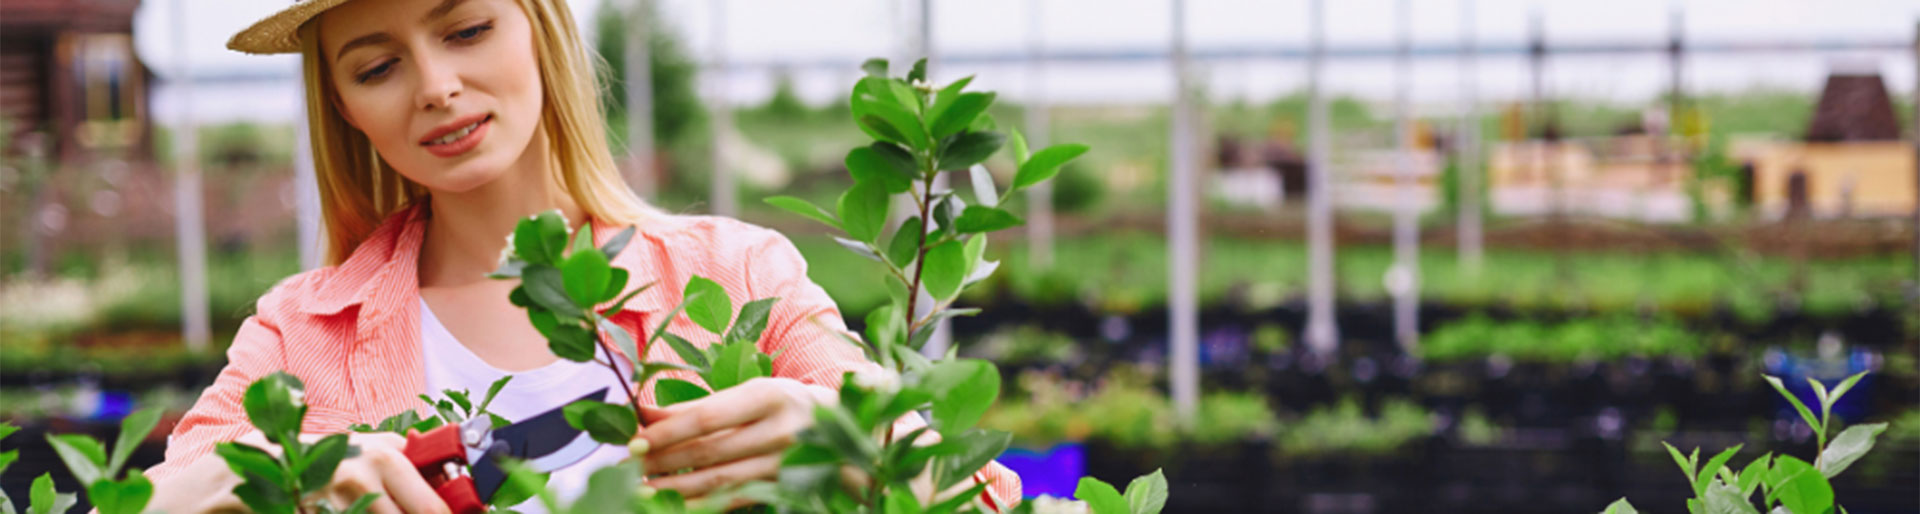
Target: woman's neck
467, 229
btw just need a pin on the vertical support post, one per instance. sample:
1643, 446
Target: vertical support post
1467, 143
639, 81
1040, 196
942, 337
306, 191
725, 195
190, 231
1916, 160
1403, 281
1322, 333
1183, 228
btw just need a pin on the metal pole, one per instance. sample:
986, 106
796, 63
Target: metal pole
1183, 229
1040, 196
725, 194
190, 230
1322, 333
639, 82
306, 191
1468, 144
1916, 161
1404, 280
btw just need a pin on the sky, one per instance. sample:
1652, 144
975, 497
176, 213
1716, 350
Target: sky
762, 34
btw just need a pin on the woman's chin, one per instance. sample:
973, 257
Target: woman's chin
464, 178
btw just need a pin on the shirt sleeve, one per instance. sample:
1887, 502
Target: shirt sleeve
803, 334
218, 415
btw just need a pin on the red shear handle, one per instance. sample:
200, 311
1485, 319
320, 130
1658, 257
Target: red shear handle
430, 453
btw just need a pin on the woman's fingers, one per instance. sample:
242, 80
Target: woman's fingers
771, 434
699, 483
726, 409
405, 486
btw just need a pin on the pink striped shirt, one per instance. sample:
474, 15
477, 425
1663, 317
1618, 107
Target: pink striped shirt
351, 332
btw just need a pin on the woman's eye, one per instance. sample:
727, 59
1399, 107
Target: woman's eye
376, 72
470, 33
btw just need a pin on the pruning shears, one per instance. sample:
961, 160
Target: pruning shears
462, 462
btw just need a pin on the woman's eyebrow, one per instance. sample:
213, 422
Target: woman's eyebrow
438, 11
367, 40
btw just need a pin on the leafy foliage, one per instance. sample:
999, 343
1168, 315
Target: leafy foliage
1787, 483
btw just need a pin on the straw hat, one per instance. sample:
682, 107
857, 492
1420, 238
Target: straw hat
280, 33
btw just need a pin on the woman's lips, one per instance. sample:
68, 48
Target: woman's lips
462, 144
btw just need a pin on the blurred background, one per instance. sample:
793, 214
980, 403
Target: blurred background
1331, 257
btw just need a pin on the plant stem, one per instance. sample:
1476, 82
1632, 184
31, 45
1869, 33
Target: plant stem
632, 401
913, 289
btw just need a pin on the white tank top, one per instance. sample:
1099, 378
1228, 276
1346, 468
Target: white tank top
450, 365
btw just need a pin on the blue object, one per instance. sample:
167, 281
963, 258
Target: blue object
113, 406
1794, 371
1054, 471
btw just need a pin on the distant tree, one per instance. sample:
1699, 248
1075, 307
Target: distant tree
677, 111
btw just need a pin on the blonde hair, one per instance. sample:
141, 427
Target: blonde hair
358, 189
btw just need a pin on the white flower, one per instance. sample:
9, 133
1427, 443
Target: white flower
1050, 505
881, 380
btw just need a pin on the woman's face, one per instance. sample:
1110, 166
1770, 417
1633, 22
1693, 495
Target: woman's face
447, 90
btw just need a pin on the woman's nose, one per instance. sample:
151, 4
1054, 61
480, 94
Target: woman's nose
439, 84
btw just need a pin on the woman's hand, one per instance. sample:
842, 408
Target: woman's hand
732, 437
207, 484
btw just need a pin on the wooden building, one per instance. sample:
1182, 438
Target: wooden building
68, 70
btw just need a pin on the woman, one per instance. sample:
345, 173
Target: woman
436, 125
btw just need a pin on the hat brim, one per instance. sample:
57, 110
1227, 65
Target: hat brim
279, 33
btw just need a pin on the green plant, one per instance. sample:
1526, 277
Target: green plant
1787, 484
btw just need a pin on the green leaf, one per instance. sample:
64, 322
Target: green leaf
1148, 493
884, 325
896, 116
364, 504
947, 95
962, 390
867, 164
616, 282
322, 460
734, 365
859, 248
586, 277
1706, 474
128, 496
493, 391
804, 208
1620, 506
608, 488
621, 304
708, 304
1799, 487
7, 458
459, 397
958, 114
649, 369
1751, 476
248, 461
1805, 414
43, 498
1721, 498
274, 404
582, 240
528, 244
943, 268
621, 339
570, 342
1019, 143
133, 430
1045, 163
607, 423
548, 289
687, 351
984, 191
669, 391
752, 321
1100, 497
875, 67
920, 337
901, 502
906, 243
1852, 444
522, 483
1686, 464
969, 148
834, 427
879, 128
953, 504
919, 71
618, 243
82, 455
1845, 385
863, 211
979, 218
